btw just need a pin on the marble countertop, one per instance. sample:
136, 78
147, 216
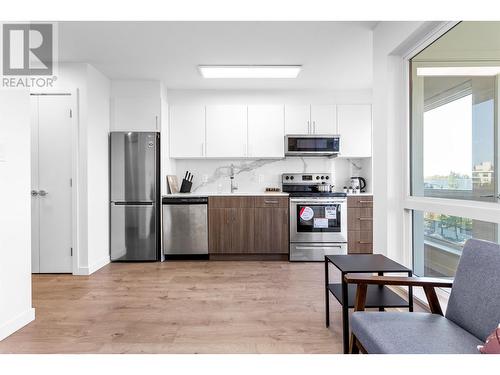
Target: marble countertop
243, 194
236, 194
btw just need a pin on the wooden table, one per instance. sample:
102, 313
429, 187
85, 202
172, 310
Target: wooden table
377, 296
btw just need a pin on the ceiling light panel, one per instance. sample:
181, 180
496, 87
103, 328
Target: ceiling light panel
250, 71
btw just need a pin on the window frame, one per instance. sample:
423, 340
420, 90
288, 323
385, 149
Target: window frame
476, 210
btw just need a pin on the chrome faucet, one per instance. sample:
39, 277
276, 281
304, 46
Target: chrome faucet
231, 176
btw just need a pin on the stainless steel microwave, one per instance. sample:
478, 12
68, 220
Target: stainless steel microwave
312, 145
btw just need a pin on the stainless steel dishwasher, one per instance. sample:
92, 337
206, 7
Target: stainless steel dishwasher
185, 227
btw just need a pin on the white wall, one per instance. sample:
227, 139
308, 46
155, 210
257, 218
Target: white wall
213, 175
167, 165
390, 39
98, 124
15, 212
136, 105
210, 97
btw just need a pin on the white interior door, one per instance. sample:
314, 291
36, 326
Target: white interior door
51, 185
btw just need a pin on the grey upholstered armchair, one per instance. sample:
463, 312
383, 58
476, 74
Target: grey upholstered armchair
473, 309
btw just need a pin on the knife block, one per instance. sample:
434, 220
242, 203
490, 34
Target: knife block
186, 186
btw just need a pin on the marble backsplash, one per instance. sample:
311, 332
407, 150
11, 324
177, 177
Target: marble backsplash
256, 175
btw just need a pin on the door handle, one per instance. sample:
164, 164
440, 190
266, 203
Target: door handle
365, 218
309, 127
314, 127
34, 193
270, 202
43, 193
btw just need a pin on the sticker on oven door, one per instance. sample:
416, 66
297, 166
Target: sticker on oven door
331, 212
320, 223
306, 213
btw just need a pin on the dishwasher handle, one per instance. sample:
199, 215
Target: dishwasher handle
184, 200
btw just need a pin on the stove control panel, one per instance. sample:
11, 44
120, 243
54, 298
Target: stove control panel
306, 178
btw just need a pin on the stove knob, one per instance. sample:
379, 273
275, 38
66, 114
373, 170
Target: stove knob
327, 177
322, 177
317, 177
287, 177
291, 177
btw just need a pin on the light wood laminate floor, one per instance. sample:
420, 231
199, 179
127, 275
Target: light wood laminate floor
182, 307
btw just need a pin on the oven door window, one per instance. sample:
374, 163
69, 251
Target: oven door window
318, 218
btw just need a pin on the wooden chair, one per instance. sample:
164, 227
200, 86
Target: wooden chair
472, 314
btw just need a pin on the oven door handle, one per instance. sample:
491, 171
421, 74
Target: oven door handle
317, 201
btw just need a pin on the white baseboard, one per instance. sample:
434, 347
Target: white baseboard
17, 323
85, 271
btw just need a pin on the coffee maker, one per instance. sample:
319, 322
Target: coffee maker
358, 184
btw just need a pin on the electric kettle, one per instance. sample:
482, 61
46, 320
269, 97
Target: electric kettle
358, 183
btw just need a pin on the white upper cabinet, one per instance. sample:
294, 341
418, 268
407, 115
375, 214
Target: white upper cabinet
355, 129
226, 131
324, 119
297, 119
135, 114
187, 131
266, 131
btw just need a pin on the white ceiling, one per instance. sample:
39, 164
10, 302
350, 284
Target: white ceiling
334, 55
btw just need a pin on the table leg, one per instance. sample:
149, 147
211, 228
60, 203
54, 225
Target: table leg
327, 296
410, 295
345, 315
381, 287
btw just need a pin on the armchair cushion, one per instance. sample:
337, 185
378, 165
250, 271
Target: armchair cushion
411, 333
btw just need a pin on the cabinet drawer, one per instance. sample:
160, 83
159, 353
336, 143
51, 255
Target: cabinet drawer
360, 219
360, 201
271, 201
359, 242
231, 202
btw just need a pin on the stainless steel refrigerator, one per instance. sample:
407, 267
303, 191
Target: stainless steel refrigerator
135, 196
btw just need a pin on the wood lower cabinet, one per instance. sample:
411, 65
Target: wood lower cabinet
242, 230
219, 230
248, 225
360, 224
271, 230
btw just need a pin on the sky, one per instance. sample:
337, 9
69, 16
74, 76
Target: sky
458, 136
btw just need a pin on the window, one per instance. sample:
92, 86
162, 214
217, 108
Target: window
454, 152
454, 146
438, 241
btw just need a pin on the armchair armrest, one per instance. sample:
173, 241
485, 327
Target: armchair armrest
401, 281
427, 283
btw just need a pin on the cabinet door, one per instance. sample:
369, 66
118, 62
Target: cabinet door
243, 230
355, 129
135, 114
324, 119
266, 131
219, 230
187, 131
226, 131
271, 230
297, 119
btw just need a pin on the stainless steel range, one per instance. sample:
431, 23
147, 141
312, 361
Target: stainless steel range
318, 216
